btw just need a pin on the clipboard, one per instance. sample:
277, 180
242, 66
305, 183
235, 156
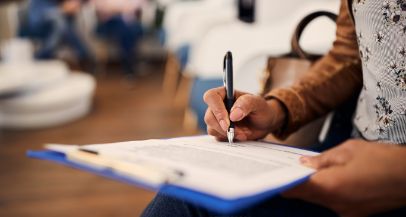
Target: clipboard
200, 199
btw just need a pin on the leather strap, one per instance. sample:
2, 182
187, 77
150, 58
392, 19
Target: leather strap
296, 49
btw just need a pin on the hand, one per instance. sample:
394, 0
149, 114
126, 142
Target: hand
357, 178
254, 116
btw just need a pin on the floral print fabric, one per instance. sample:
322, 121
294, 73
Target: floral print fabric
381, 33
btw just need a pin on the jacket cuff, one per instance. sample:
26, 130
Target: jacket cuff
294, 107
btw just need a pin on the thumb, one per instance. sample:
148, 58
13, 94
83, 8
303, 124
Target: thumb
333, 157
243, 106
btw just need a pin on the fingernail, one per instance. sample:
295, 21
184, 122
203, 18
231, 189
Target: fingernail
223, 125
237, 114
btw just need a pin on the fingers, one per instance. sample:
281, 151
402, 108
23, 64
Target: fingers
214, 99
339, 155
243, 106
325, 160
217, 118
213, 126
241, 133
219, 136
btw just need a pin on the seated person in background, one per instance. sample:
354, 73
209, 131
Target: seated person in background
52, 22
119, 21
363, 176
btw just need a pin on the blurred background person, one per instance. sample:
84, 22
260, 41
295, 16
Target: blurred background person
52, 23
119, 22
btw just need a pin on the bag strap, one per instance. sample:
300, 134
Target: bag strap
296, 49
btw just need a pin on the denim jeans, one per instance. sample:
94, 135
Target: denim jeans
51, 28
125, 34
163, 206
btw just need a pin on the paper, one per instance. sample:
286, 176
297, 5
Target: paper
217, 168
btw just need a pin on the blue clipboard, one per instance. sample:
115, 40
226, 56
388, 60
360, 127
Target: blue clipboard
210, 202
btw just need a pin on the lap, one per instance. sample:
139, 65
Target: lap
163, 205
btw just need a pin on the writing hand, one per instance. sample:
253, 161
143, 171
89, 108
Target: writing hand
254, 116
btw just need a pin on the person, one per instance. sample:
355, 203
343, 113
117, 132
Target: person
52, 23
365, 175
119, 21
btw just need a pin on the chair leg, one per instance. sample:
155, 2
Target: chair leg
171, 76
190, 121
181, 101
182, 95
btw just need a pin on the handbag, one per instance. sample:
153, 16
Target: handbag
283, 71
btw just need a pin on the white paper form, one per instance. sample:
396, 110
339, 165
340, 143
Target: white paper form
217, 168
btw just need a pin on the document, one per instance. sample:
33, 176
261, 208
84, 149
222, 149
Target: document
200, 163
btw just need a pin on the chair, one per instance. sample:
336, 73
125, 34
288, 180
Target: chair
184, 24
37, 94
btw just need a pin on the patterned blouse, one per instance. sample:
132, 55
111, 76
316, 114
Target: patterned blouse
381, 32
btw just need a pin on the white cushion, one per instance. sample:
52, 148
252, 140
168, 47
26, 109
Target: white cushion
195, 22
17, 50
18, 77
56, 104
43, 119
48, 72
249, 76
76, 87
14, 78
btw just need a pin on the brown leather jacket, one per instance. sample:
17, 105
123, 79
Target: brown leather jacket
329, 83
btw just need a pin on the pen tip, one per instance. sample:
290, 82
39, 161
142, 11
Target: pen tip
230, 136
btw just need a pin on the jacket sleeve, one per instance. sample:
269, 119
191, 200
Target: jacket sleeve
329, 82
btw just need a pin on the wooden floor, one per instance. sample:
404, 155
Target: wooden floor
30, 187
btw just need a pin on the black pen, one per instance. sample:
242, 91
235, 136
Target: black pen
228, 84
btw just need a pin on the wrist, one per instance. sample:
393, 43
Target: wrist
279, 116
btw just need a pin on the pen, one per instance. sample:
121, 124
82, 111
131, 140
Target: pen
228, 84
